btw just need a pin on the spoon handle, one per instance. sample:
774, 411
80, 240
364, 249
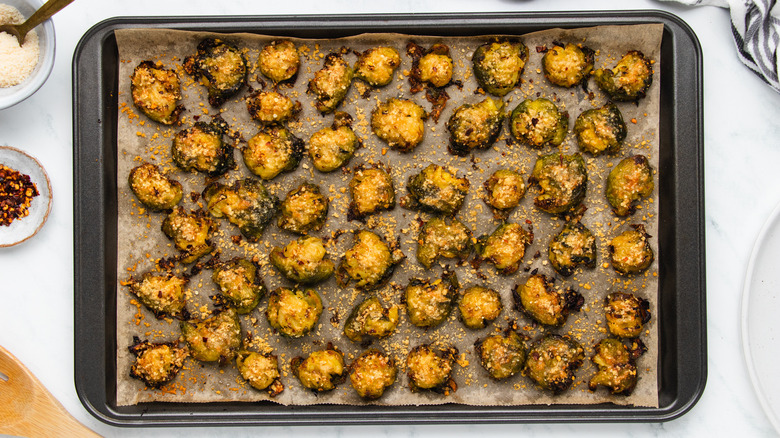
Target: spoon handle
48, 9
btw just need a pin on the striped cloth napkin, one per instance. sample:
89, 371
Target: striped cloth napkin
756, 28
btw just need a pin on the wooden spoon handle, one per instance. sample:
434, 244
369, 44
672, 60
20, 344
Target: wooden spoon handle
43, 13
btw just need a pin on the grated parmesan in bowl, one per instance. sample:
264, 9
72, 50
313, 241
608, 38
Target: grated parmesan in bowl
23, 70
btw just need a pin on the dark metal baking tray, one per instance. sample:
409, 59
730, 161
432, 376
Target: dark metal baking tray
682, 356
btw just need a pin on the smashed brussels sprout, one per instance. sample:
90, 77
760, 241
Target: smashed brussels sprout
628, 182
246, 203
240, 284
153, 189
505, 247
503, 191
563, 181
371, 190
369, 262
156, 363
163, 294
279, 60
567, 65
552, 361
433, 66
574, 246
539, 299
304, 260
600, 130
156, 92
376, 66
305, 209
539, 123
213, 339
270, 107
321, 371
435, 190
331, 83
630, 251
400, 123
293, 313
428, 303
370, 320
626, 314
475, 126
478, 306
502, 355
201, 148
629, 80
220, 67
498, 65
330, 148
260, 370
429, 369
372, 373
190, 232
440, 237
272, 151
617, 370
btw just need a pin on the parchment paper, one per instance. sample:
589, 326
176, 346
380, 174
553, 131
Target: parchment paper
142, 243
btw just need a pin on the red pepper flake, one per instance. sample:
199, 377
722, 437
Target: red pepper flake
16, 193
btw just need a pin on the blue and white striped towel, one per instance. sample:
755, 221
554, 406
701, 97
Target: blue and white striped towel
756, 28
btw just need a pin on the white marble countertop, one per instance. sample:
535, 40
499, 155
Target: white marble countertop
741, 138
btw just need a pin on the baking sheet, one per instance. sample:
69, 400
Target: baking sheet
142, 242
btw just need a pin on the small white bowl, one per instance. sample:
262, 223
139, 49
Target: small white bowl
10, 96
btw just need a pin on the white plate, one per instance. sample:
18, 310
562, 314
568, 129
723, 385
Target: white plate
761, 316
22, 229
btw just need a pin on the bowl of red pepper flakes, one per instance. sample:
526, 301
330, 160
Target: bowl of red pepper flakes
25, 196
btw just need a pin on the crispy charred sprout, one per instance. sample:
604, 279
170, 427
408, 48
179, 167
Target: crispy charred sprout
629, 79
498, 65
567, 65
293, 313
156, 363
279, 60
600, 130
260, 370
574, 246
563, 181
433, 66
628, 182
153, 189
370, 320
369, 262
428, 304
303, 261
304, 209
214, 339
190, 233
240, 284
429, 369
539, 123
246, 203
330, 148
376, 66
440, 237
331, 83
479, 306
201, 148
505, 247
400, 123
156, 92
371, 373
503, 191
270, 107
552, 361
475, 126
502, 355
435, 190
163, 294
539, 299
272, 151
630, 251
617, 370
321, 371
221, 68
371, 190
626, 314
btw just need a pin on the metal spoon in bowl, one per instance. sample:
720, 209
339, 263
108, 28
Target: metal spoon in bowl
48, 9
